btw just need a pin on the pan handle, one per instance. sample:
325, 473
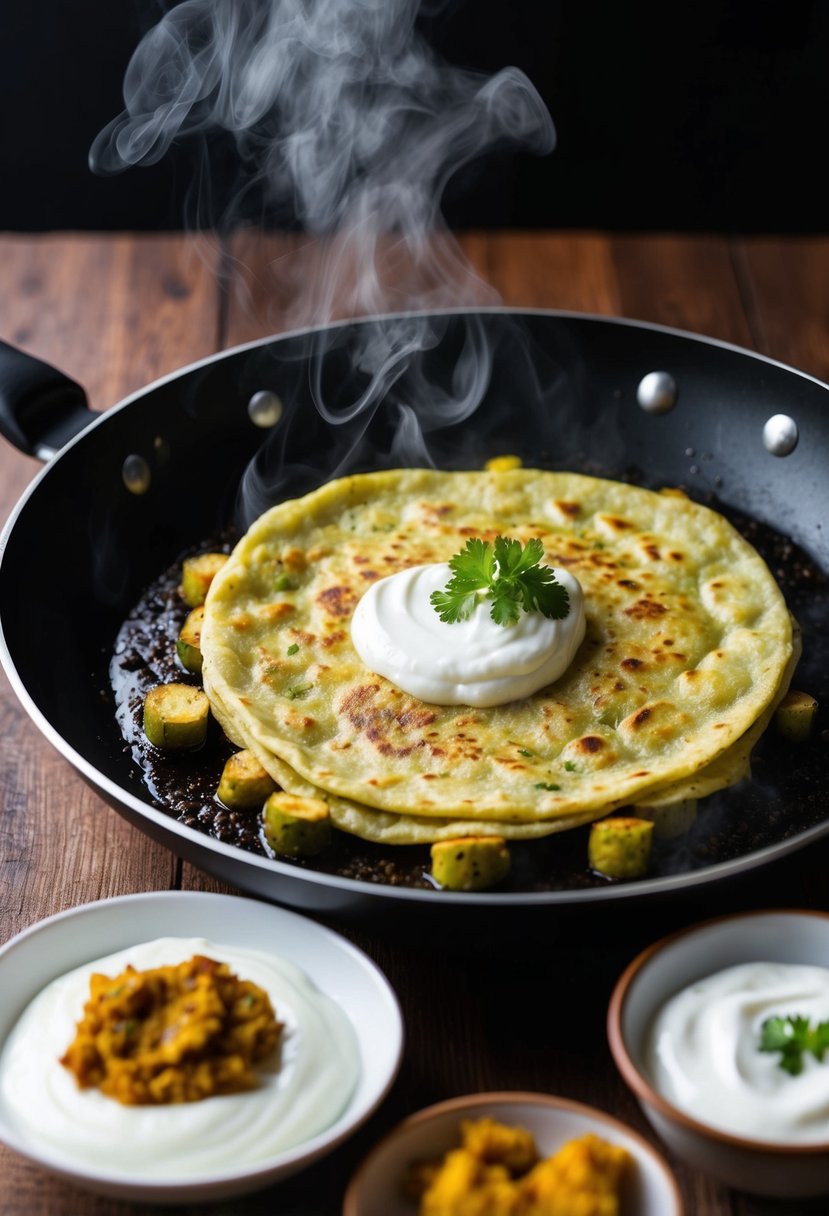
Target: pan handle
41, 409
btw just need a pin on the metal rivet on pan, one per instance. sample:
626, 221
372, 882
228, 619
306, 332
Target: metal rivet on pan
780, 435
264, 408
136, 474
657, 392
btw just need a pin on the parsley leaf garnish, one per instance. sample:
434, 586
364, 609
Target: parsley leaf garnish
793, 1037
509, 574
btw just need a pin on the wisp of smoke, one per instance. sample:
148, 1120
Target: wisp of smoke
354, 126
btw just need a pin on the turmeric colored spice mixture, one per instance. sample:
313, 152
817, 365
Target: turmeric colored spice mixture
498, 1171
172, 1034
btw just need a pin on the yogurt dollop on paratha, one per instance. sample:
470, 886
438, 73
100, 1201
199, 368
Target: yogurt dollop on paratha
398, 633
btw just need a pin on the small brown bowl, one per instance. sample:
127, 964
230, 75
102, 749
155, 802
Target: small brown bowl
772, 1168
375, 1188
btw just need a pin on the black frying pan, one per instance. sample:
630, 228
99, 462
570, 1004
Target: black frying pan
129, 491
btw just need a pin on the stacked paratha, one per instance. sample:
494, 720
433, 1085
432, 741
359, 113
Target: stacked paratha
689, 645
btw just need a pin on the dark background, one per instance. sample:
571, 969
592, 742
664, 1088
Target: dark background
707, 116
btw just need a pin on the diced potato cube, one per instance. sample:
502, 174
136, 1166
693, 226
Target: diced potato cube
244, 783
176, 716
296, 826
470, 863
188, 643
620, 847
197, 573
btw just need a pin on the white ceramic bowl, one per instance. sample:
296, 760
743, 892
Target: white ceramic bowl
54, 946
761, 1167
374, 1190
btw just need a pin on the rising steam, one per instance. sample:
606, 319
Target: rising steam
352, 125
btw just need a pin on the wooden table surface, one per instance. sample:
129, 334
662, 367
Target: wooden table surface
117, 311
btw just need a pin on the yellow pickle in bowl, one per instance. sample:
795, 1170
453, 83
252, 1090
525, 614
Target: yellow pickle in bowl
497, 1170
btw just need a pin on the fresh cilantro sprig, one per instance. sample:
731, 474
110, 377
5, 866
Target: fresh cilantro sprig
793, 1037
507, 573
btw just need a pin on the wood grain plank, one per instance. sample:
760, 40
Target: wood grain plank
113, 312
786, 283
277, 282
570, 271
687, 282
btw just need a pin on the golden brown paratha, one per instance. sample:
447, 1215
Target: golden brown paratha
688, 641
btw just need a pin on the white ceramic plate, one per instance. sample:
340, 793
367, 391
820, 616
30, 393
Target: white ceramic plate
54, 946
374, 1189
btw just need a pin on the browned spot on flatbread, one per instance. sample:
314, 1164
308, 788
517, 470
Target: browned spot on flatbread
304, 638
644, 610
337, 601
571, 509
295, 561
331, 639
389, 727
590, 744
673, 657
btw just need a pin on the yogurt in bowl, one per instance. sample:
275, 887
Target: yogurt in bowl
719, 1030
743, 1050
